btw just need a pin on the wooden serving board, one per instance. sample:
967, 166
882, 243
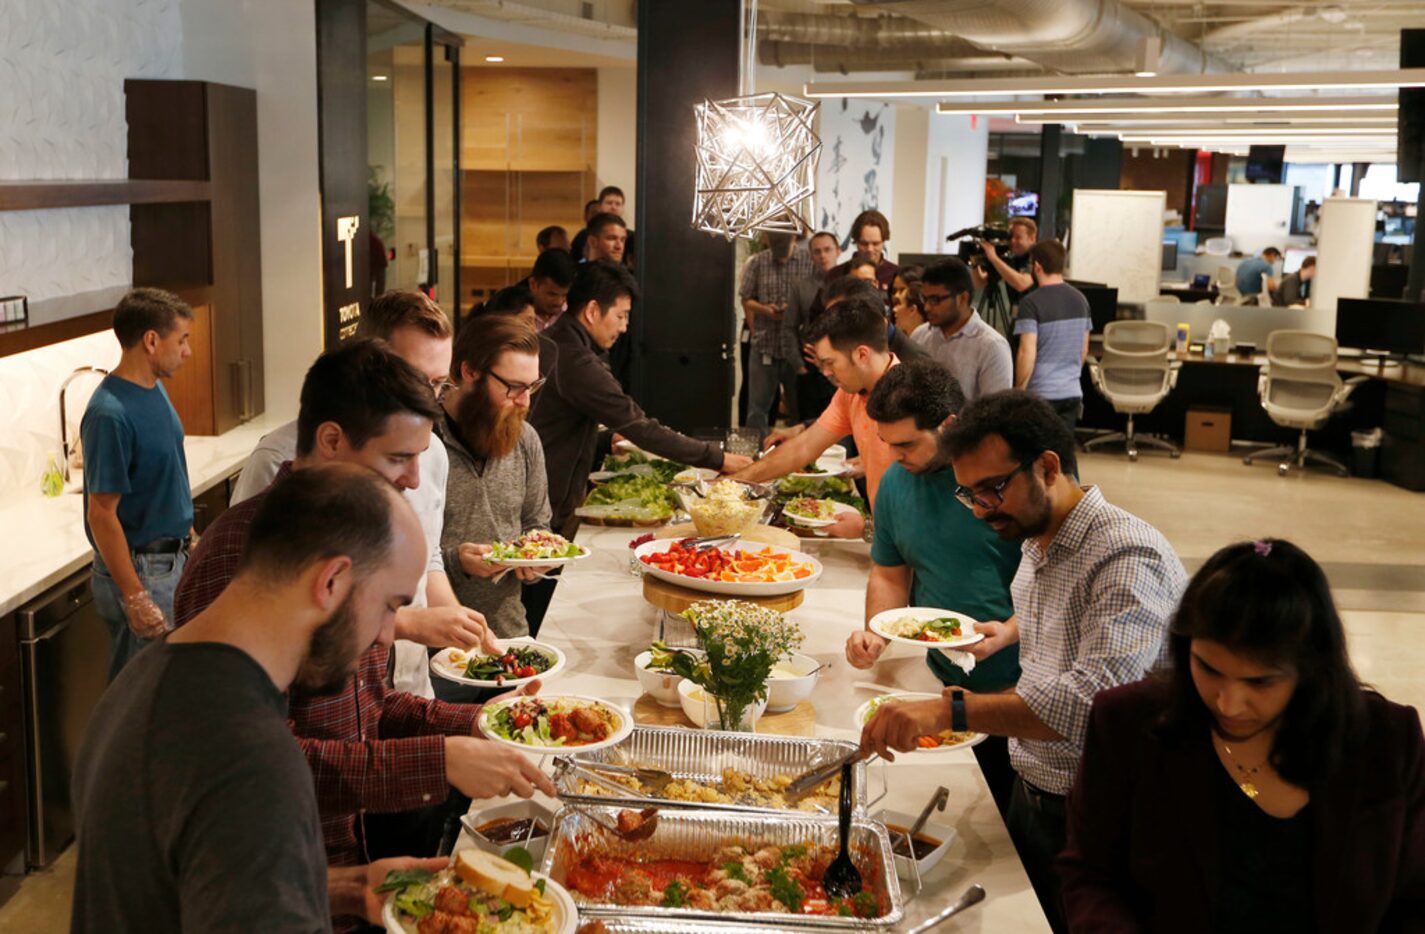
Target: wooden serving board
799, 721
674, 599
763, 534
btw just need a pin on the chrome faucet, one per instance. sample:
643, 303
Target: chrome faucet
65, 451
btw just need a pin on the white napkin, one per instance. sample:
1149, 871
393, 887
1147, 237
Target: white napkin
961, 660
1220, 330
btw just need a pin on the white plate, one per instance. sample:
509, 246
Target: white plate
564, 914
841, 510
620, 733
730, 588
539, 562
705, 474
863, 714
926, 612
442, 666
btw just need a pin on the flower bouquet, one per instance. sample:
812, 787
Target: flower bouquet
742, 642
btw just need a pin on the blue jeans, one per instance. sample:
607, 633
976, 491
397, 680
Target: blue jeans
763, 380
159, 574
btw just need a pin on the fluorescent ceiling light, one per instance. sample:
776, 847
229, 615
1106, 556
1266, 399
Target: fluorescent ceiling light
1161, 119
1153, 105
494, 59
1349, 132
1201, 142
378, 78
1124, 84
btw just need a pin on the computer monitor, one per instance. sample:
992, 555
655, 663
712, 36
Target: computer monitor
1170, 255
1023, 204
1389, 281
1265, 164
1103, 303
1291, 262
1211, 207
1380, 324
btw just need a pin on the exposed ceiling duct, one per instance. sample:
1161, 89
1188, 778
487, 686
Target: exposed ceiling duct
844, 44
1073, 36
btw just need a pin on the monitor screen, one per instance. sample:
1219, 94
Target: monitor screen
1024, 204
1103, 304
1393, 326
1291, 262
1265, 164
1170, 255
1212, 206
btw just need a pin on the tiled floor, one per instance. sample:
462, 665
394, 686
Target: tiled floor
1370, 537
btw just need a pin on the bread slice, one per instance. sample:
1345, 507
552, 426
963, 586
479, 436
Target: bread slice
496, 876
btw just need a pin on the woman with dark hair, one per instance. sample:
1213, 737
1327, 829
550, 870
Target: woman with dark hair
1256, 786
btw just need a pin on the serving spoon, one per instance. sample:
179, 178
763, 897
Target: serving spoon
973, 896
641, 829
842, 879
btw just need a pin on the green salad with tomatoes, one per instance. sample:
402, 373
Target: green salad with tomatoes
535, 545
517, 663
558, 721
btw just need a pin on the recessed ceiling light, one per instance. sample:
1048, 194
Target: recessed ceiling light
379, 78
494, 59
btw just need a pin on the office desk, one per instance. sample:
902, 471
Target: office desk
1393, 399
1189, 295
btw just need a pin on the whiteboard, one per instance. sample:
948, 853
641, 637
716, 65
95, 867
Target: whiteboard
1259, 216
1345, 244
1118, 240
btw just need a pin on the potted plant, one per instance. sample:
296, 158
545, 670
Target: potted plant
741, 642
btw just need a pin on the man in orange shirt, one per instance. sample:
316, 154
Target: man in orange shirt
849, 343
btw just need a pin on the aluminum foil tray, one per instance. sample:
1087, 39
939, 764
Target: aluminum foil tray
701, 755
699, 834
671, 926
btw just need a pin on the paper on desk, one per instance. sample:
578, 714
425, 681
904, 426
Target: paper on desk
961, 660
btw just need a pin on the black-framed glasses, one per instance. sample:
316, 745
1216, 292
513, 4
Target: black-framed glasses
935, 299
990, 495
514, 390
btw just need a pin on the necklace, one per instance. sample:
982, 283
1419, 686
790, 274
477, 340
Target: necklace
1248, 787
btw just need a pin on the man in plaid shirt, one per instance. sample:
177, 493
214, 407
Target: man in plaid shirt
1093, 597
775, 356
371, 749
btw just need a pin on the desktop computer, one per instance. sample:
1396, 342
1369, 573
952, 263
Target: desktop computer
1103, 302
1170, 256
1381, 327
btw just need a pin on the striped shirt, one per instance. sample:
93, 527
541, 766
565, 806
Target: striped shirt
1093, 613
1058, 314
767, 281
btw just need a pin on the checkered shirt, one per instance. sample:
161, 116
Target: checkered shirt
1093, 612
371, 748
765, 280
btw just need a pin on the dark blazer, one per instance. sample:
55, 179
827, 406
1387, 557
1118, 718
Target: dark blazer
1142, 849
581, 394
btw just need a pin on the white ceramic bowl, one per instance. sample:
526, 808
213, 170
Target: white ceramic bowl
660, 686
785, 693
935, 830
517, 810
700, 708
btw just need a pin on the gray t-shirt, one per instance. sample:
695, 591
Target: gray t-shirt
976, 355
194, 806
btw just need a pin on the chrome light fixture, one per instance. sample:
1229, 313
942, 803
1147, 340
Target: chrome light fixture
756, 158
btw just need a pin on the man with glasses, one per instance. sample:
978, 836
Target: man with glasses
1093, 597
956, 337
582, 394
497, 488
419, 332
928, 549
870, 232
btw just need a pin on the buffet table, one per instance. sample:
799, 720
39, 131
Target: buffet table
599, 618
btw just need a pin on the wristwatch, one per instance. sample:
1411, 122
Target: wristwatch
958, 723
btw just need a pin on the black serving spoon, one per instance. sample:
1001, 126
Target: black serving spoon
842, 880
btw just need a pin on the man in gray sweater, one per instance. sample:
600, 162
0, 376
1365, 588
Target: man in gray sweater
496, 489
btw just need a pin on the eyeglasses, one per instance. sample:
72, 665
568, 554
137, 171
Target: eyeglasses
515, 390
989, 495
935, 299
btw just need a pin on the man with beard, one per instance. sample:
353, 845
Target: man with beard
1093, 596
418, 330
194, 809
928, 549
956, 337
373, 751
497, 488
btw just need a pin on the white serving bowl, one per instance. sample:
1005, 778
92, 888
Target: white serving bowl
660, 686
785, 693
936, 830
700, 708
516, 810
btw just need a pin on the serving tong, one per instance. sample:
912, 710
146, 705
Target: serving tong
651, 781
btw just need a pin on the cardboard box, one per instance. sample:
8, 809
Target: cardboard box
1209, 428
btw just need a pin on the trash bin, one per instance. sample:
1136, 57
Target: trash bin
1365, 451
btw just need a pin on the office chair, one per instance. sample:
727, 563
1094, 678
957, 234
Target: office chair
1134, 374
1227, 293
1174, 299
1300, 388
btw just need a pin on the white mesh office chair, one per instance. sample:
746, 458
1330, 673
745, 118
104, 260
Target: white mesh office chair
1226, 281
1134, 374
1300, 388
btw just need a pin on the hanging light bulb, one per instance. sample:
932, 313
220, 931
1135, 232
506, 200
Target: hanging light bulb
756, 158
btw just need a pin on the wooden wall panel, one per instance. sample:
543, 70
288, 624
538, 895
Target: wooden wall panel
190, 388
1172, 172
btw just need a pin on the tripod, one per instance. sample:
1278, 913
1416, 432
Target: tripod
993, 307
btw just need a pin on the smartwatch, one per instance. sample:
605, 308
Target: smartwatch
958, 722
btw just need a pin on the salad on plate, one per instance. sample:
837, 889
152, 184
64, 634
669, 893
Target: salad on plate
518, 662
479, 892
553, 722
808, 510
535, 545
944, 739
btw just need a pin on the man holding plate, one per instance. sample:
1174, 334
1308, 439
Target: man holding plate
928, 550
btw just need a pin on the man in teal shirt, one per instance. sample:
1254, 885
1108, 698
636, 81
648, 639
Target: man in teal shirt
928, 549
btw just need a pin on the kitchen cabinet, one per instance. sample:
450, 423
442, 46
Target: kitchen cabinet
14, 812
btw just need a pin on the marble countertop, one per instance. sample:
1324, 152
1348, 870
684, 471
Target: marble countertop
44, 538
599, 619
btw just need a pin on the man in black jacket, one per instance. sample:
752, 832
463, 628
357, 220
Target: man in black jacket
581, 393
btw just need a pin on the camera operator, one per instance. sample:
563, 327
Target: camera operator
1013, 267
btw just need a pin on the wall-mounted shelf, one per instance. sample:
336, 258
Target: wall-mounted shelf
30, 195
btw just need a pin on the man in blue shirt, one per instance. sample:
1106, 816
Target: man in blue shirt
138, 508
928, 549
1251, 271
1053, 329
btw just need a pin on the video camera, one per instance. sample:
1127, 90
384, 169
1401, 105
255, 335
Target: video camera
969, 249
